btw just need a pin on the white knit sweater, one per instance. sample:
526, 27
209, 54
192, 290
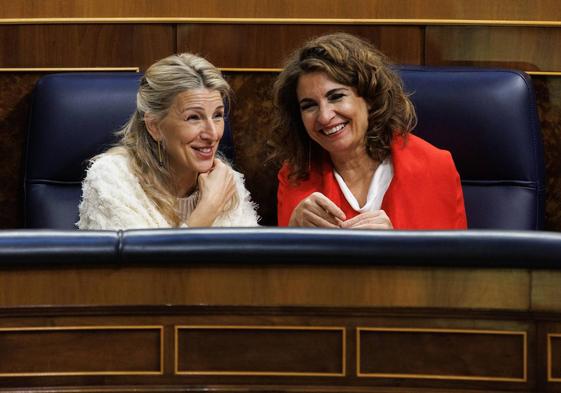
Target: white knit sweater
112, 198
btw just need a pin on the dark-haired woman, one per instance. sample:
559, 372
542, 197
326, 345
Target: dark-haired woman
342, 131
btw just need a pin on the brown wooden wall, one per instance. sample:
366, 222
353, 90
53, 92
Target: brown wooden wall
68, 34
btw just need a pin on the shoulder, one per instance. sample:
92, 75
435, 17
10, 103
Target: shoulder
416, 151
114, 160
111, 173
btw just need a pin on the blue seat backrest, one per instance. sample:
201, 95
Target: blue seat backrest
73, 117
488, 120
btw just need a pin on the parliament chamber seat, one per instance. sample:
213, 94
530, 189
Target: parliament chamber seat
487, 119
287, 309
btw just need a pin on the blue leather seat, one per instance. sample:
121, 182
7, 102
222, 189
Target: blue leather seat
73, 118
486, 118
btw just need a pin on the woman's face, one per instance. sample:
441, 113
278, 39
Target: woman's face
192, 129
333, 114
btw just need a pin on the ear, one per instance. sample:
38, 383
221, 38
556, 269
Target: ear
152, 126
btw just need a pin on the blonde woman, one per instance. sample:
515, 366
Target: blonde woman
164, 172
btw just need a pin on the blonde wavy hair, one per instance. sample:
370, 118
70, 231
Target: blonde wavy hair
350, 61
159, 86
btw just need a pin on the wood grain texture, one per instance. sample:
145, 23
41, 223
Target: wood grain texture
250, 351
84, 45
266, 46
303, 351
443, 354
523, 48
546, 291
548, 97
83, 351
269, 285
360, 9
15, 101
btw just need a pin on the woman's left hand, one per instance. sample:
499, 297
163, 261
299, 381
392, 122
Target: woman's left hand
377, 219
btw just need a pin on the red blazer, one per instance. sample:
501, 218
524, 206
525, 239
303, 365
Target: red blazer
425, 192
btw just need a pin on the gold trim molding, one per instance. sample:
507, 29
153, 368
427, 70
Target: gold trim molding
70, 69
277, 70
550, 377
337, 21
523, 334
342, 373
159, 328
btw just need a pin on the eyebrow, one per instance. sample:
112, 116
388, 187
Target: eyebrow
198, 108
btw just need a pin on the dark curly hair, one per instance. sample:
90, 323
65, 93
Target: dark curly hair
350, 61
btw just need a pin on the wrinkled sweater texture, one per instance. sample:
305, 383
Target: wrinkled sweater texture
113, 199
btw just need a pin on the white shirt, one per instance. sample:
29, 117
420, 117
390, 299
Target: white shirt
378, 186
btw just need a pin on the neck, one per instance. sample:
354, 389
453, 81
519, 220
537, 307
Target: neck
357, 174
185, 184
358, 167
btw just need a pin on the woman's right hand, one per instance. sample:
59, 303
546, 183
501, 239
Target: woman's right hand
217, 188
317, 210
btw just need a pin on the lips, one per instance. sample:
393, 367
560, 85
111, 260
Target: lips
204, 152
333, 130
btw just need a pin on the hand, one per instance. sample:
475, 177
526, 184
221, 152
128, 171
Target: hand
217, 188
317, 211
377, 219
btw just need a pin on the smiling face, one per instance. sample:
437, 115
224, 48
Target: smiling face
190, 131
333, 114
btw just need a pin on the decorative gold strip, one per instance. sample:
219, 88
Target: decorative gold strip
444, 377
550, 377
85, 373
226, 69
277, 70
339, 21
70, 69
262, 373
544, 73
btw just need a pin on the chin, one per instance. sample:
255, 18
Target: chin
205, 167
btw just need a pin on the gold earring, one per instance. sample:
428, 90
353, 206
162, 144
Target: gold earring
160, 157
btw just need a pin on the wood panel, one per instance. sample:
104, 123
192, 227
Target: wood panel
554, 357
366, 9
523, 48
548, 97
260, 350
80, 351
442, 354
293, 342
250, 119
251, 46
270, 285
84, 45
546, 292
15, 101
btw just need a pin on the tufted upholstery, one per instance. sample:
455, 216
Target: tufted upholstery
288, 246
73, 118
486, 118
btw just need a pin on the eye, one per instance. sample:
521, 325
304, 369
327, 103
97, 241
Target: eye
304, 106
336, 96
192, 117
218, 115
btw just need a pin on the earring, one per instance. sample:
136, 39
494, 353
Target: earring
160, 157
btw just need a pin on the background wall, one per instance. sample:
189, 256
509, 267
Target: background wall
249, 39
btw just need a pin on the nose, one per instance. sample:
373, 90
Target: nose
211, 130
325, 114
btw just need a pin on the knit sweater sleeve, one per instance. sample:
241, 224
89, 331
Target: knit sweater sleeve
112, 197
